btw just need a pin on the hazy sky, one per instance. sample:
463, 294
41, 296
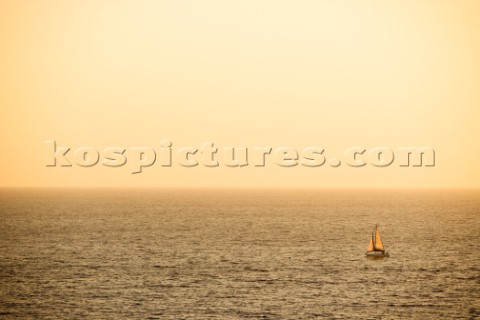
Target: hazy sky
334, 74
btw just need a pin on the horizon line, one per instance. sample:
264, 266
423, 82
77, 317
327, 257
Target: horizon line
249, 188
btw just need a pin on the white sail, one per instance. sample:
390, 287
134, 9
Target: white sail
370, 245
378, 240
376, 249
376, 243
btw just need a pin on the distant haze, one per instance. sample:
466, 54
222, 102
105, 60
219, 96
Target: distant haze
334, 74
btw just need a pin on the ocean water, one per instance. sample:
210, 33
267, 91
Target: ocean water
238, 254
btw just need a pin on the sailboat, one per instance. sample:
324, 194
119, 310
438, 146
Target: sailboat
376, 247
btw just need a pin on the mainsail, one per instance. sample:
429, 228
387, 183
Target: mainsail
378, 240
376, 243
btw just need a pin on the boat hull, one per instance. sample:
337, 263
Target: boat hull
376, 254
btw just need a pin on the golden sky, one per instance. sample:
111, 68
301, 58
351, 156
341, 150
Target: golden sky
334, 74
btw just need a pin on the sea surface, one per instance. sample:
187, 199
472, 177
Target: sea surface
238, 254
